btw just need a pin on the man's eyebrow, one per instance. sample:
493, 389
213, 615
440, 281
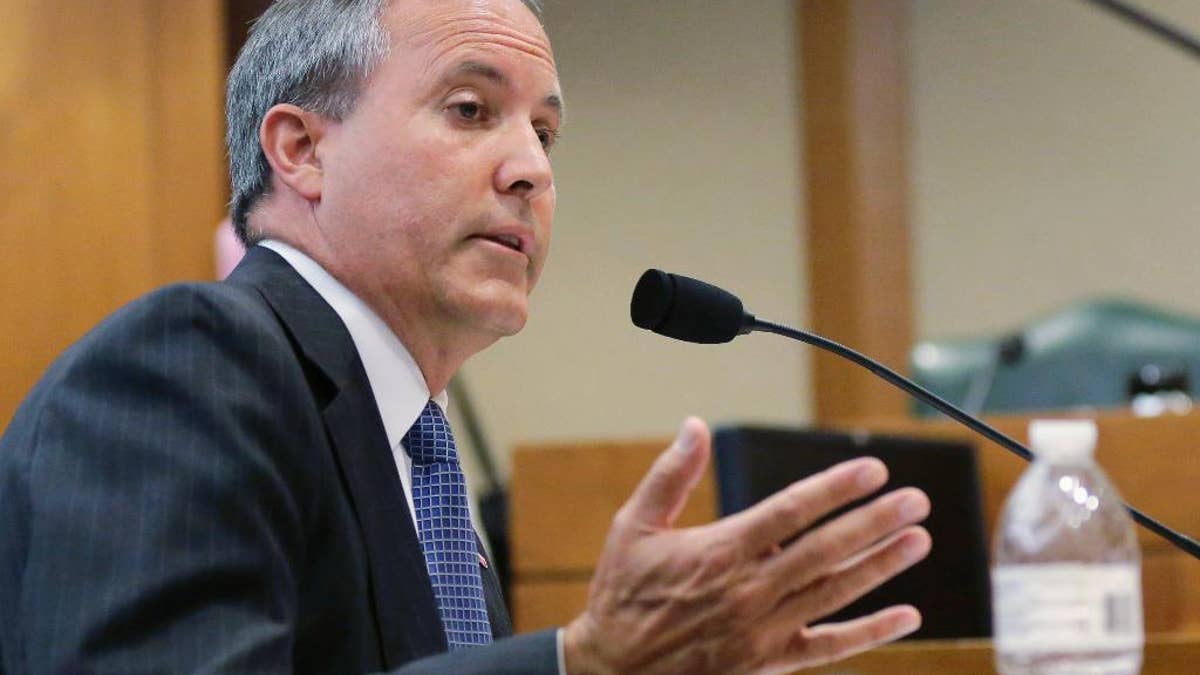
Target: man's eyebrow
555, 101
497, 77
477, 69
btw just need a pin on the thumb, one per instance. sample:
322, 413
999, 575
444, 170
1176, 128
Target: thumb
664, 490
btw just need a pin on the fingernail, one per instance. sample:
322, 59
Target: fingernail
872, 475
685, 438
913, 548
908, 624
913, 507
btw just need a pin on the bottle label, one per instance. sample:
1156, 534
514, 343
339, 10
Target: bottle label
1070, 607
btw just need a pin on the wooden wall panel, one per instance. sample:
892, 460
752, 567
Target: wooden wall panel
187, 86
585, 483
854, 92
110, 139
547, 603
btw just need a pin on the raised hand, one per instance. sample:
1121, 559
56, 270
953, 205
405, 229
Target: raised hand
740, 595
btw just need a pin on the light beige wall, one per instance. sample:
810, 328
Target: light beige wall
1056, 156
680, 152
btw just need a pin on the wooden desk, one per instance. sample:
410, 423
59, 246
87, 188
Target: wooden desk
565, 494
1174, 654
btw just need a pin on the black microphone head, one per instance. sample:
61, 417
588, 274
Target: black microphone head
686, 309
1011, 349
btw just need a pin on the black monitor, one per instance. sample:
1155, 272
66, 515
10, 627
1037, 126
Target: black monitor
951, 586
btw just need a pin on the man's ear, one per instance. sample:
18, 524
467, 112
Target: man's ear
289, 136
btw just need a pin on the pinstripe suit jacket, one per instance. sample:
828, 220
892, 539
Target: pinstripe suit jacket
203, 483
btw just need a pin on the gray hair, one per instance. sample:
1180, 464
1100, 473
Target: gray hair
315, 54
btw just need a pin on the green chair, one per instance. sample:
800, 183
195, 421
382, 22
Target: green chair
1095, 354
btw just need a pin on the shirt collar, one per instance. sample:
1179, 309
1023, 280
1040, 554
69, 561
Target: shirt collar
396, 381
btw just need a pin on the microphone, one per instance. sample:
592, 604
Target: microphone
1007, 352
686, 309
694, 311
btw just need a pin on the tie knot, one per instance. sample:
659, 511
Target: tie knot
429, 439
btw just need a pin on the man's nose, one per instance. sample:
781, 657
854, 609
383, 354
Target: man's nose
524, 169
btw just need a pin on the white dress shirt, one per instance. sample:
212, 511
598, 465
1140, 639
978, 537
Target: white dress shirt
396, 381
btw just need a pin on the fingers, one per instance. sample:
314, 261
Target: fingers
658, 499
825, 643
788, 512
835, 591
802, 647
819, 551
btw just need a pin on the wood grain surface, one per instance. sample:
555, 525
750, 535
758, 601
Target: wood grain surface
113, 169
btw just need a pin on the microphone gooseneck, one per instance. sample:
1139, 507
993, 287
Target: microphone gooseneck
659, 306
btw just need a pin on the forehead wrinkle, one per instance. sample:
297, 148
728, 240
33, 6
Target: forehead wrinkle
446, 44
441, 23
487, 28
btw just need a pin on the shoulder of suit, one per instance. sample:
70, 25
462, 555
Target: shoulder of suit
193, 308
199, 349
219, 321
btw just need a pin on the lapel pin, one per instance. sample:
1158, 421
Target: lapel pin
482, 561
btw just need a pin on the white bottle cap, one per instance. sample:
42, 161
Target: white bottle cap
1063, 440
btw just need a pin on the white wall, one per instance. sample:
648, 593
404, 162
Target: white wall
680, 152
1056, 156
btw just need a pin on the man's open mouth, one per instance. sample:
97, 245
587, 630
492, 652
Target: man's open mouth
507, 240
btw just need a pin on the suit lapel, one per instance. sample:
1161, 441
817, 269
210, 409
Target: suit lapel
402, 595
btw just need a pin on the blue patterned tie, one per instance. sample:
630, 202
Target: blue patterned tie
444, 527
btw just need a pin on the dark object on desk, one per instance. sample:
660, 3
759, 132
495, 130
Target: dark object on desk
1154, 379
951, 586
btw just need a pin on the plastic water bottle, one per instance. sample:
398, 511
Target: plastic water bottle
1066, 569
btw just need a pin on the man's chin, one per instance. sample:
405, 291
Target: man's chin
505, 324
500, 314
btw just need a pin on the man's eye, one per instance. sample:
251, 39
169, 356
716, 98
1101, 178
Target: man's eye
547, 137
469, 110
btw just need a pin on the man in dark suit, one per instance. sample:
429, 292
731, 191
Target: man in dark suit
256, 476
